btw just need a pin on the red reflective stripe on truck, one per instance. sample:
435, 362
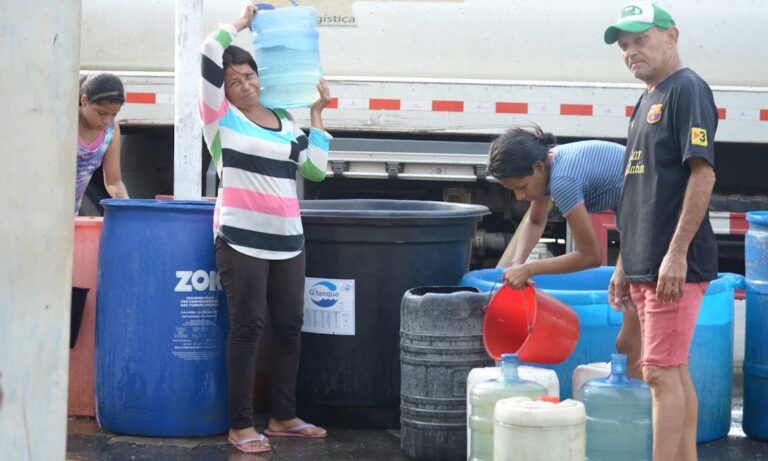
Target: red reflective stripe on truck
447, 106
628, 110
576, 109
334, 104
721, 113
140, 98
384, 104
511, 107
764, 115
738, 224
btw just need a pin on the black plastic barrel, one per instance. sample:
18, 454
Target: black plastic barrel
384, 247
76, 313
441, 341
161, 321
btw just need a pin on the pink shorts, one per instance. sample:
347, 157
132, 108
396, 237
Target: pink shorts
667, 328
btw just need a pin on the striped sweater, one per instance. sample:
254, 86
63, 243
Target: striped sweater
257, 209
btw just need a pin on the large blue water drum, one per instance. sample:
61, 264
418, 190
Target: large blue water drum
161, 321
755, 420
586, 293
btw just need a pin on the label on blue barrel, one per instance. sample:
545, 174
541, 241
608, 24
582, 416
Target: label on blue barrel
197, 334
329, 306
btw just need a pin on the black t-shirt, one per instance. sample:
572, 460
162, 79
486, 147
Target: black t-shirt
675, 122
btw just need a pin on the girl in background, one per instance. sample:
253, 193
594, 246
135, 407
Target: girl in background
98, 136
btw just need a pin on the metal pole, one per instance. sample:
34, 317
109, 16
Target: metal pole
187, 144
38, 126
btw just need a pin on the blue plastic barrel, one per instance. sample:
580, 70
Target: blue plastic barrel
755, 420
161, 321
286, 46
586, 293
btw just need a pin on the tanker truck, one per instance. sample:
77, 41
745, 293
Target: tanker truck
420, 87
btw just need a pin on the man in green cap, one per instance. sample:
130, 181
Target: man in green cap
668, 250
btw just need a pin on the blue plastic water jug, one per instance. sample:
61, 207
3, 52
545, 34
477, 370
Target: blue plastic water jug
285, 43
618, 416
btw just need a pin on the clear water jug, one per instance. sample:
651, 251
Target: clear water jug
618, 416
543, 376
527, 430
285, 43
484, 396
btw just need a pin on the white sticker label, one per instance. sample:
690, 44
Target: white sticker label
329, 306
197, 335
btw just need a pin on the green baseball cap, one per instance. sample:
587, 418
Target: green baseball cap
638, 17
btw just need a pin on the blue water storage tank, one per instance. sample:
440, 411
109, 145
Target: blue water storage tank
711, 352
756, 349
161, 321
585, 292
286, 46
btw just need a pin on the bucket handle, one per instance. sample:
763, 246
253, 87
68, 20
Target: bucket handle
528, 322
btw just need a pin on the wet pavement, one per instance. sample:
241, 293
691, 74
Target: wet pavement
87, 443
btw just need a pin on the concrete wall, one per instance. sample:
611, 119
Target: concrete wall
39, 49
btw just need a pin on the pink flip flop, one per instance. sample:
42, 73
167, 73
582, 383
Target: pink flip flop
242, 444
295, 431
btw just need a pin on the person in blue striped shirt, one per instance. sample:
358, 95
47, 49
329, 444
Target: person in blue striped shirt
579, 178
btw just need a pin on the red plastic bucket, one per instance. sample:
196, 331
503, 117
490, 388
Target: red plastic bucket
530, 323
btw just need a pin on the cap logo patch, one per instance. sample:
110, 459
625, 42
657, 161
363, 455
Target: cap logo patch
630, 10
698, 136
654, 113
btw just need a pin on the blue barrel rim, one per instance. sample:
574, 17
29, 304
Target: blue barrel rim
724, 281
155, 203
384, 208
758, 217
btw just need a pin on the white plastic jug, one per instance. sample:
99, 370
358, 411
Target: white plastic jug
543, 376
529, 430
286, 46
584, 373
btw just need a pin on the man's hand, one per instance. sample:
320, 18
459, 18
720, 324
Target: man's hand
672, 272
618, 291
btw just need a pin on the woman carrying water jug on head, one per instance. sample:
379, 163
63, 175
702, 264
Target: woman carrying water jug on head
580, 178
257, 225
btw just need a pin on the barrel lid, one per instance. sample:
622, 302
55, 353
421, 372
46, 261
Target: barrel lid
524, 412
88, 221
759, 218
379, 209
155, 204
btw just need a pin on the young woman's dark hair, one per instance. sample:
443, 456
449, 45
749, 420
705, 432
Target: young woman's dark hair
513, 154
103, 88
234, 55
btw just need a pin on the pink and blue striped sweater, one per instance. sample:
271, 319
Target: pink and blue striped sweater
257, 209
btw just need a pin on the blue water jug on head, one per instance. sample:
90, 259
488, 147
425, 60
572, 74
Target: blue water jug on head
285, 43
484, 396
618, 416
